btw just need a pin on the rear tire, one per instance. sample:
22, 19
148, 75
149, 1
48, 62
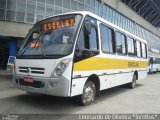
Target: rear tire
88, 95
133, 83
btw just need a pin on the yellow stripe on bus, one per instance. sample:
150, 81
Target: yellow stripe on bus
107, 64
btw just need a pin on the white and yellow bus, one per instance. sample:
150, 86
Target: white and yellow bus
79, 54
154, 64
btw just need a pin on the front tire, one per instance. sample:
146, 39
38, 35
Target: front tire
88, 95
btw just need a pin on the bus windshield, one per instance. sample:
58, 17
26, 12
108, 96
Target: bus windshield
51, 37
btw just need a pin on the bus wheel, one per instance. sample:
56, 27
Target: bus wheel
133, 83
88, 95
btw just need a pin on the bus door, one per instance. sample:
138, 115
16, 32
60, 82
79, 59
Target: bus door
85, 63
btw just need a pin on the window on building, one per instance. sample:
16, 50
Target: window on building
82, 1
3, 4
121, 43
86, 7
58, 3
107, 39
130, 44
31, 6
2, 13
58, 10
11, 4
39, 17
11, 15
80, 6
87, 2
138, 46
30, 17
41, 8
20, 16
43, 1
73, 5
144, 54
49, 10
92, 2
21, 5
66, 4
50, 2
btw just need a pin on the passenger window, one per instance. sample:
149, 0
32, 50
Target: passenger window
144, 55
80, 43
121, 43
88, 41
93, 39
146, 51
130, 43
154, 60
138, 45
106, 39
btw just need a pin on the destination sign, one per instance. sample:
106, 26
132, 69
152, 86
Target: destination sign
58, 24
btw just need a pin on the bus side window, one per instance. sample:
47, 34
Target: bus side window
107, 39
144, 54
88, 41
131, 47
146, 51
80, 43
138, 46
92, 39
120, 43
151, 60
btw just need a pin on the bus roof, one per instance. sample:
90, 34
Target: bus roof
84, 13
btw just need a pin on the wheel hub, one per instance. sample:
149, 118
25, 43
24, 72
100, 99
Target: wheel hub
88, 94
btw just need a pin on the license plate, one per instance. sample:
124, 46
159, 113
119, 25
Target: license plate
28, 79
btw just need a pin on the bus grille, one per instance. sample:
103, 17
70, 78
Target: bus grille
32, 70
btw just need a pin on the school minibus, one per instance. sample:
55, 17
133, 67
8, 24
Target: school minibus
79, 54
154, 64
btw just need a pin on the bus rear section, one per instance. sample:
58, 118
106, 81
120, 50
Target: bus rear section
154, 64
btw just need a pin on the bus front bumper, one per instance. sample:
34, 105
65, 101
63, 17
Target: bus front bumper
42, 85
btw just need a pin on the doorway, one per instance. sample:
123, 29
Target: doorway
4, 54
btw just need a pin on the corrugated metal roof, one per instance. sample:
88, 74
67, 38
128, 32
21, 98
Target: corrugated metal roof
148, 9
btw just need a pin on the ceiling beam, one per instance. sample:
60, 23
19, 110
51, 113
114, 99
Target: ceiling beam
137, 4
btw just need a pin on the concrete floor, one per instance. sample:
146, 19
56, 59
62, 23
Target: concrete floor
145, 98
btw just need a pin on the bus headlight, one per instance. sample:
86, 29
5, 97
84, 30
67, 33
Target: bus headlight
59, 70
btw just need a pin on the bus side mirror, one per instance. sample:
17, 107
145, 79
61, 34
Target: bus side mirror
87, 26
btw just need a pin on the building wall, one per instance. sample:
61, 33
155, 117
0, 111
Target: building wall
14, 29
30, 11
124, 9
152, 35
